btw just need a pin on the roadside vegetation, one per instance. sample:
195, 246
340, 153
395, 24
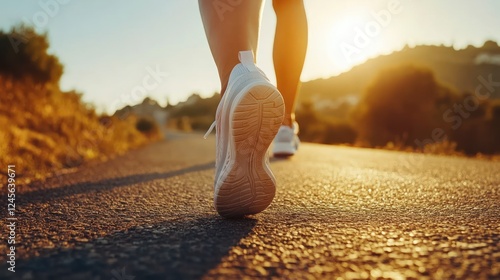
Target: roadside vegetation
403, 108
44, 129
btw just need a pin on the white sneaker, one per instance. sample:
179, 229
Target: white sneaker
247, 119
286, 142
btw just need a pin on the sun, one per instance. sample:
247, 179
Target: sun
342, 51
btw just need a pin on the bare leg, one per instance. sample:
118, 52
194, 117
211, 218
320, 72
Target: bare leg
290, 45
231, 27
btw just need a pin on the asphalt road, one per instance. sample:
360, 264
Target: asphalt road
339, 213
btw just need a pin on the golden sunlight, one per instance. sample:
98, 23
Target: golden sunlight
343, 50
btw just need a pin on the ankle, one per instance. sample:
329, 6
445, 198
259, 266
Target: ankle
288, 120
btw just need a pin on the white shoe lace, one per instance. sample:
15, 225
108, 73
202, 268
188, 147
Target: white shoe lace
209, 130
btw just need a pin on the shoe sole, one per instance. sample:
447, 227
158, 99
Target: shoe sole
248, 185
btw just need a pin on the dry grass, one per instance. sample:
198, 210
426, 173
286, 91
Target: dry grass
446, 148
43, 129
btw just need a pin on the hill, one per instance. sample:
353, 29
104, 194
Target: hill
458, 69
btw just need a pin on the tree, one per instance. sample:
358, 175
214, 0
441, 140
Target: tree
399, 106
24, 53
490, 45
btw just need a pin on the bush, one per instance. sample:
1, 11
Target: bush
339, 133
56, 130
398, 106
145, 125
43, 128
148, 127
23, 53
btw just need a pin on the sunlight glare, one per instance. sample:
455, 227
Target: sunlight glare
341, 36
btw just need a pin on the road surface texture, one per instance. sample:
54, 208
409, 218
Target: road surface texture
339, 213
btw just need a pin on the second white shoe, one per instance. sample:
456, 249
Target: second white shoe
287, 141
247, 119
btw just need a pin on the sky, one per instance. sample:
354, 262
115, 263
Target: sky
117, 52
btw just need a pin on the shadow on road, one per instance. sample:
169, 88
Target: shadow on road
184, 249
85, 187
